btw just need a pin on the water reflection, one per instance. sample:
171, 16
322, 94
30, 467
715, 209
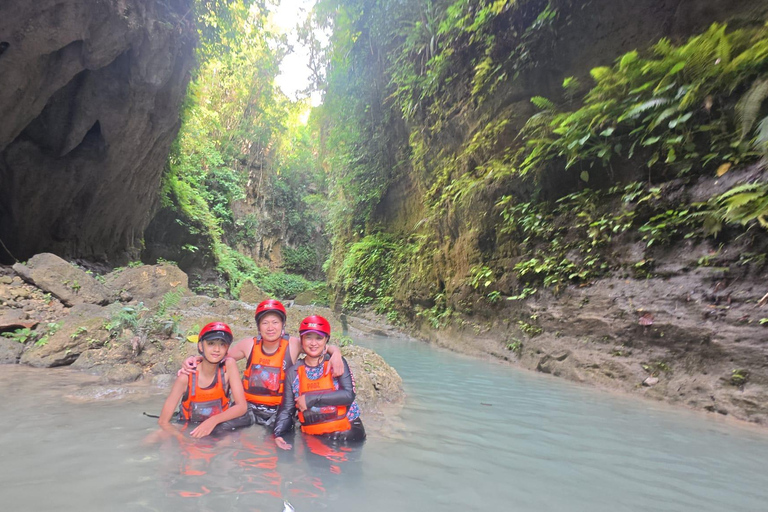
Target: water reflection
247, 463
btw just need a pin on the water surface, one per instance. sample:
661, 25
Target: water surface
473, 435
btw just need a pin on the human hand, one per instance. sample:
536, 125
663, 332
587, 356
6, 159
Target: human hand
280, 442
189, 366
337, 364
204, 428
301, 403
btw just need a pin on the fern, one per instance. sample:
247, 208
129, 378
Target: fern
543, 103
749, 105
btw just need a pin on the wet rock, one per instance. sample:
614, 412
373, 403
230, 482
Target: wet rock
164, 380
148, 283
376, 381
122, 373
74, 334
252, 294
650, 381
66, 282
10, 351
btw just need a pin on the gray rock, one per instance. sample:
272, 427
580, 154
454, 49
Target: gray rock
122, 373
650, 381
376, 381
148, 283
10, 351
251, 293
66, 282
81, 329
163, 381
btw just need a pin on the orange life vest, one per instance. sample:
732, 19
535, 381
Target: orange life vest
265, 374
199, 404
325, 419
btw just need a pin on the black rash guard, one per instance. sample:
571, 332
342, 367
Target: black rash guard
345, 395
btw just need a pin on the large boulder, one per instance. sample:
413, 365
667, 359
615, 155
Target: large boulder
148, 283
90, 100
377, 383
82, 329
251, 293
66, 282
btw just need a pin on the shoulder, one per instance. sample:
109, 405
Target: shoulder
230, 365
182, 381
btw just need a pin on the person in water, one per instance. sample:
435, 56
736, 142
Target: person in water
326, 404
205, 394
268, 356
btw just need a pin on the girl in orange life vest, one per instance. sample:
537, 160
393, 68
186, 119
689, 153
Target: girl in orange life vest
326, 404
268, 356
204, 395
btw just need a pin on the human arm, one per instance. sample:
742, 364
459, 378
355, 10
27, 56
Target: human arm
239, 408
345, 395
286, 411
337, 364
336, 368
177, 391
237, 351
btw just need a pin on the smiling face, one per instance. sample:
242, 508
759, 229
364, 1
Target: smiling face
213, 350
271, 327
313, 344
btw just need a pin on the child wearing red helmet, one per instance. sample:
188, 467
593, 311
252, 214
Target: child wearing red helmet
205, 394
326, 405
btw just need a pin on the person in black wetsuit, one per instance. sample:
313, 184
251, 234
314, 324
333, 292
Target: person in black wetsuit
326, 404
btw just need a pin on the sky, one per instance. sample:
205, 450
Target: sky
294, 72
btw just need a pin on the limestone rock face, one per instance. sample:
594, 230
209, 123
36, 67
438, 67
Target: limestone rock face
66, 282
89, 104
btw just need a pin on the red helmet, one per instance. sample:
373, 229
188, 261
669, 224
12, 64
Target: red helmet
270, 306
316, 324
216, 331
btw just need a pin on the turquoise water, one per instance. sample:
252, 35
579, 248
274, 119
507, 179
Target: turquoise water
473, 435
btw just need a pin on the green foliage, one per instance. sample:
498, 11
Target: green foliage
656, 367
743, 204
127, 317
739, 377
366, 273
344, 341
301, 260
40, 336
49, 330
20, 335
515, 346
529, 329
651, 107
